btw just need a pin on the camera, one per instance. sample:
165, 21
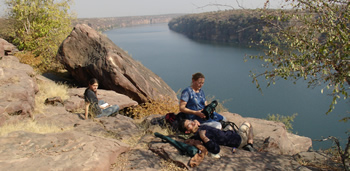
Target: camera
209, 110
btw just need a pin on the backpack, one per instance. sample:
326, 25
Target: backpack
184, 148
170, 118
224, 124
173, 120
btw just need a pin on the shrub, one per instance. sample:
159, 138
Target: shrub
286, 120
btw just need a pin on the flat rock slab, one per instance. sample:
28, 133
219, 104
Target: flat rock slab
240, 160
76, 100
58, 151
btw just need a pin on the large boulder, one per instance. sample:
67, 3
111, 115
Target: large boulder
273, 136
86, 54
18, 88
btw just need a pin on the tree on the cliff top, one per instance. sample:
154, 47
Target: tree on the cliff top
39, 26
313, 44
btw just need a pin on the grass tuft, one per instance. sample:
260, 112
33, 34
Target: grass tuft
49, 90
29, 58
31, 126
170, 166
162, 106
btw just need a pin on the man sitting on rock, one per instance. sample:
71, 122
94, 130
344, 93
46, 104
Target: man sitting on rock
213, 137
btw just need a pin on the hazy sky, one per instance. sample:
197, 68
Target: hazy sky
116, 8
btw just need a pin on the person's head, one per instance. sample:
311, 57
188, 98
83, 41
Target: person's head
188, 126
197, 80
93, 84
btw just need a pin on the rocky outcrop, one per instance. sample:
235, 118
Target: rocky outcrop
6, 48
122, 143
18, 88
86, 54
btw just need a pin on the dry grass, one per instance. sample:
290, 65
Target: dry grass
121, 163
163, 106
144, 127
49, 90
37, 62
29, 58
332, 163
334, 153
170, 166
31, 126
158, 106
220, 107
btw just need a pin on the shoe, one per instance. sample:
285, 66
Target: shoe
215, 156
249, 147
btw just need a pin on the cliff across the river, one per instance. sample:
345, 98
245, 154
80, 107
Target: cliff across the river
231, 26
108, 23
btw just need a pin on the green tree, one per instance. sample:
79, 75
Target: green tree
313, 44
40, 26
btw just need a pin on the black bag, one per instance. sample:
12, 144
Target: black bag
182, 147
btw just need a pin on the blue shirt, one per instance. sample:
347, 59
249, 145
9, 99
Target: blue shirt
195, 101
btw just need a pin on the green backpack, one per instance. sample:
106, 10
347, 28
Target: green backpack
184, 148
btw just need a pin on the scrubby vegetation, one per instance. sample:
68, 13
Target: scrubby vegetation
37, 28
157, 106
286, 120
162, 106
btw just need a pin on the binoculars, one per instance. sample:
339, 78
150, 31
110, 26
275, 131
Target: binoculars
209, 110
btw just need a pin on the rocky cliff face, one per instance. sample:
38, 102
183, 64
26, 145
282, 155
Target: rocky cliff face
232, 26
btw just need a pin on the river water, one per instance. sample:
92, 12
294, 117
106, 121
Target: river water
175, 58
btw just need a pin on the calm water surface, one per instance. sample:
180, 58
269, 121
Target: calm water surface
175, 58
